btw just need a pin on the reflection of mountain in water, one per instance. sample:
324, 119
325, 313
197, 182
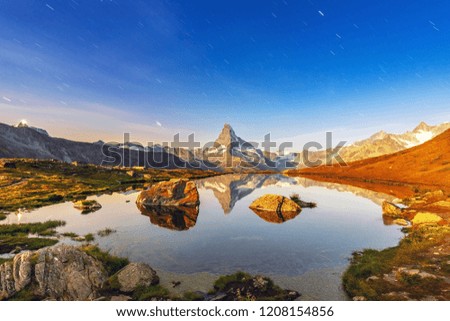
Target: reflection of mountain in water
229, 189
171, 217
375, 197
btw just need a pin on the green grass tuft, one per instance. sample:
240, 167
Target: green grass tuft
30, 228
192, 296
237, 277
151, 292
111, 263
89, 237
106, 232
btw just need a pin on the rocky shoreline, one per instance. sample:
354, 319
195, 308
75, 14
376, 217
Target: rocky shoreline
66, 272
419, 267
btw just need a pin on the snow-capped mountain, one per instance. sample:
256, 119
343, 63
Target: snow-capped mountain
383, 143
24, 141
231, 151
23, 124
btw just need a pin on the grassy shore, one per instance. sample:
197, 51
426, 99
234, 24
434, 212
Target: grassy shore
418, 268
31, 236
36, 183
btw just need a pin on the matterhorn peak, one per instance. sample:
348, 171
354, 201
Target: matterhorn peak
227, 136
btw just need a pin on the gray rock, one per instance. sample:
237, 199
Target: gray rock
7, 284
134, 275
15, 275
67, 273
22, 269
59, 273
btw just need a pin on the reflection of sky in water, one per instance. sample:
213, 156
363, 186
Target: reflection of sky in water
318, 238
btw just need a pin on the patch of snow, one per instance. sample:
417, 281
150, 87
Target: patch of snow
423, 136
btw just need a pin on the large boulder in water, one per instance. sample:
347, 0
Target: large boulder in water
275, 208
176, 192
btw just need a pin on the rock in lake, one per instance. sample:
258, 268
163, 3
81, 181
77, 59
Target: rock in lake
135, 275
275, 208
176, 192
87, 206
390, 209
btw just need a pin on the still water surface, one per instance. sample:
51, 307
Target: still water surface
227, 236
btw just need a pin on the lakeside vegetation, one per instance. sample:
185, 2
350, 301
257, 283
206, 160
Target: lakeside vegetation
31, 236
416, 269
31, 184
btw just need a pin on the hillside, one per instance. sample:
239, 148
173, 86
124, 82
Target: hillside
23, 141
426, 165
384, 143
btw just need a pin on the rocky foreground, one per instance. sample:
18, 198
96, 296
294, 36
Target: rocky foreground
72, 273
419, 267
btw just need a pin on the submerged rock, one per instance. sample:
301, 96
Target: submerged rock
135, 275
176, 192
275, 208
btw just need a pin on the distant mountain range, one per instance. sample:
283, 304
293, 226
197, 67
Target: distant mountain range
380, 143
427, 164
229, 151
23, 141
383, 143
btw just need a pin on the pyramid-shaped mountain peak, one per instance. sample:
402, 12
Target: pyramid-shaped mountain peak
227, 136
422, 126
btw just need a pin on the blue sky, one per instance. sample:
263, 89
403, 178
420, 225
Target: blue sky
95, 69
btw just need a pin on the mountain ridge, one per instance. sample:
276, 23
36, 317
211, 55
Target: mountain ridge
427, 164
